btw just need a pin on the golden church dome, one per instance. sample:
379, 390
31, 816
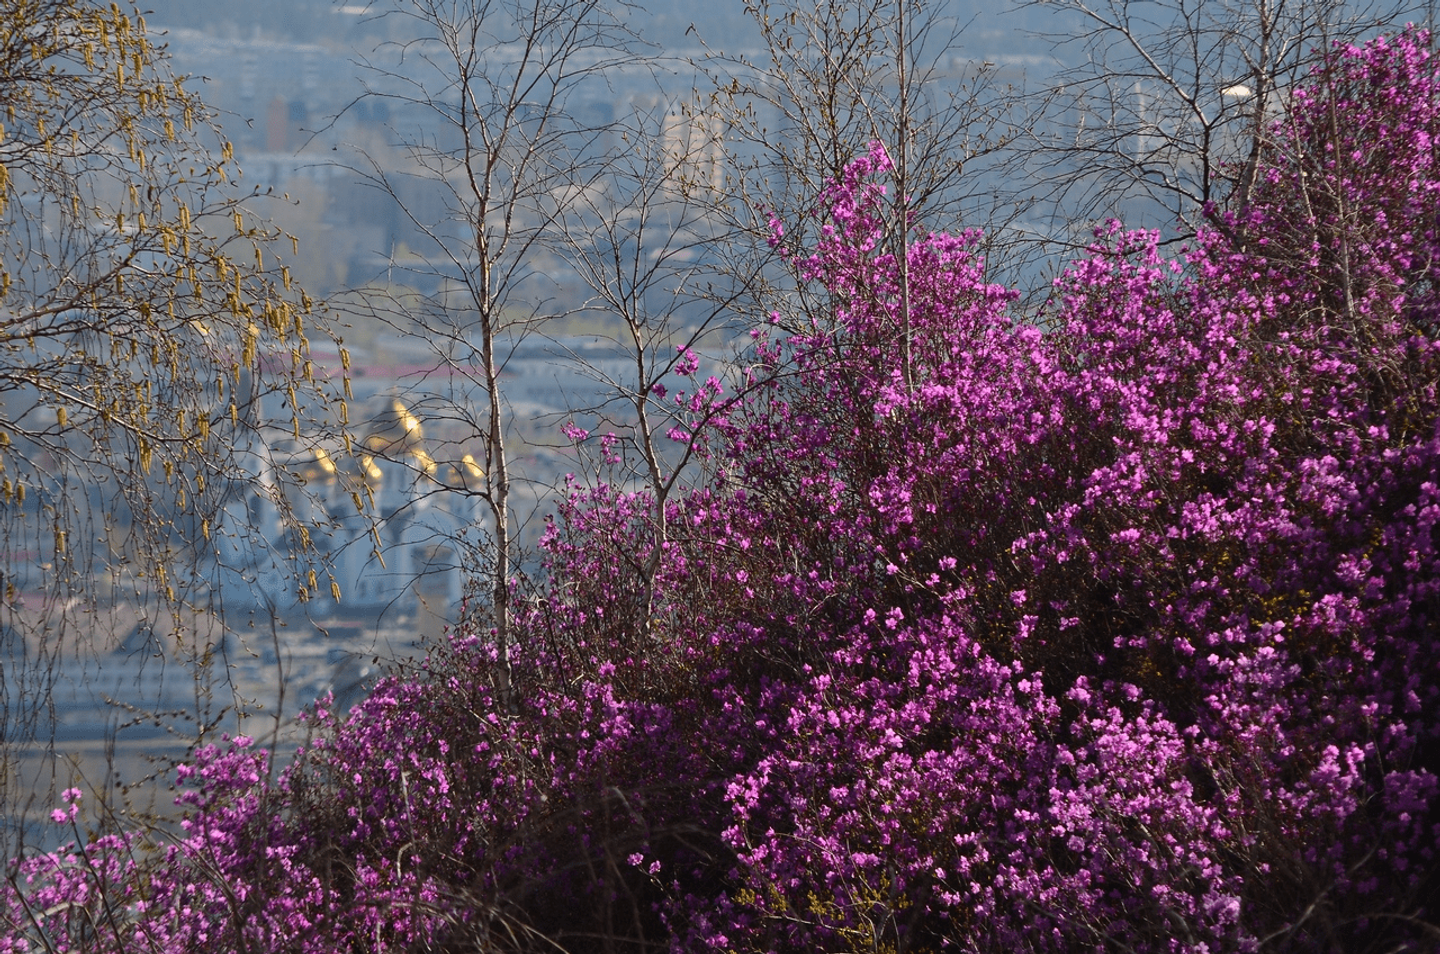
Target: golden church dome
392, 431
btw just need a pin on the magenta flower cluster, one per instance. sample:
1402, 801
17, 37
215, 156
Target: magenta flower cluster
1111, 627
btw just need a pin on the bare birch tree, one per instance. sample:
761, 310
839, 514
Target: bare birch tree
643, 242
498, 121
1167, 107
832, 78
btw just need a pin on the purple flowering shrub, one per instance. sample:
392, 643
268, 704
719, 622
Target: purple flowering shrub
1112, 627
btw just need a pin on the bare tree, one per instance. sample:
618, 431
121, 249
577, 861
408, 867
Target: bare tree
1165, 112
643, 240
834, 77
502, 125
